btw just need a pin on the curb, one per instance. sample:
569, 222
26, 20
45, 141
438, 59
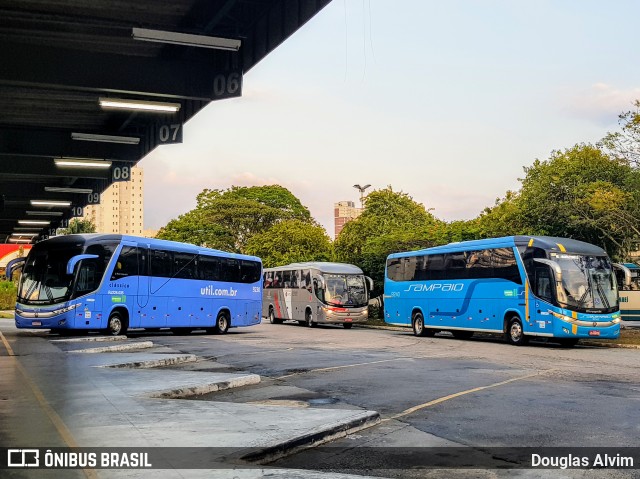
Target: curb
387, 328
186, 392
615, 345
89, 339
116, 348
152, 363
320, 436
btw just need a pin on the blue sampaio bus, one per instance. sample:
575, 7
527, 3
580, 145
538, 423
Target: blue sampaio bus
115, 282
519, 286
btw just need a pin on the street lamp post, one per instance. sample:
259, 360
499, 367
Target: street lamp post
361, 189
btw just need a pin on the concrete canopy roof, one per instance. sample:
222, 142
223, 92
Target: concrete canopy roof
59, 58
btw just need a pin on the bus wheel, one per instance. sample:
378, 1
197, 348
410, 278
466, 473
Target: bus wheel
568, 342
116, 325
347, 325
222, 323
515, 334
418, 325
308, 318
462, 334
272, 317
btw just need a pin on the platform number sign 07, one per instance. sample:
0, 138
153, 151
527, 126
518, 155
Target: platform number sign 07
121, 173
170, 133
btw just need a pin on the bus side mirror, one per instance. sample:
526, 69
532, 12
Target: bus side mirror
13, 265
76, 259
369, 283
627, 274
557, 272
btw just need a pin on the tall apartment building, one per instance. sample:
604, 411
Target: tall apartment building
344, 211
121, 208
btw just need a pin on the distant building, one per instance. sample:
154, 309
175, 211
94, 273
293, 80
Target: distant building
121, 208
344, 211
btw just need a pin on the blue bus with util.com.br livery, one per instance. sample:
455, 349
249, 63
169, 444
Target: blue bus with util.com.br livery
519, 286
115, 282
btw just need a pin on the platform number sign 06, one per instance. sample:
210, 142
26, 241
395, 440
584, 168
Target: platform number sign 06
120, 173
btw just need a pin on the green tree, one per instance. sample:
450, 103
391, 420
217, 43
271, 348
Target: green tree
291, 241
77, 226
625, 144
227, 219
391, 221
580, 193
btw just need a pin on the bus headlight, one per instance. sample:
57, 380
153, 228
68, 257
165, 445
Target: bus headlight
65, 310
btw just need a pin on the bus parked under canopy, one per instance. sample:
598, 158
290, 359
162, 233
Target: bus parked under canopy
116, 282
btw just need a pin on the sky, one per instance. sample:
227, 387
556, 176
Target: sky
444, 101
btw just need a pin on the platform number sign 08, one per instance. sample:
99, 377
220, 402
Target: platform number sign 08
120, 173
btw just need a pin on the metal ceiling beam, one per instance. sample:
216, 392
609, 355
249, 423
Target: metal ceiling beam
48, 143
34, 65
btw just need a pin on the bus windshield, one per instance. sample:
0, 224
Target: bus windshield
589, 282
44, 278
345, 290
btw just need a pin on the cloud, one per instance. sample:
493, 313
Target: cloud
601, 103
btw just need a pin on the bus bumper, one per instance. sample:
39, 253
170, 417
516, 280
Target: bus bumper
336, 316
569, 330
32, 318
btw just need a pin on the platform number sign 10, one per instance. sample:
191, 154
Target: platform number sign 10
120, 173
77, 211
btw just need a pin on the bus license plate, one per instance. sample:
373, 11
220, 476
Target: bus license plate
36, 323
348, 320
594, 333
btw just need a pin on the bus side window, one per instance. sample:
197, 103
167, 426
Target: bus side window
127, 263
542, 284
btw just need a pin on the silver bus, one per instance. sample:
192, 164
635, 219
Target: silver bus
316, 292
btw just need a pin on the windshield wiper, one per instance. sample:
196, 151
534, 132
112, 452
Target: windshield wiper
603, 296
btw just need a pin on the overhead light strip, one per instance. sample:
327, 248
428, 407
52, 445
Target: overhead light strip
60, 189
142, 105
82, 163
16, 240
34, 222
125, 140
44, 213
186, 39
25, 234
50, 203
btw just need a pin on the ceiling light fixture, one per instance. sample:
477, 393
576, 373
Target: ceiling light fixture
16, 240
25, 234
59, 189
186, 39
82, 163
44, 213
144, 105
34, 222
125, 140
63, 204
26, 228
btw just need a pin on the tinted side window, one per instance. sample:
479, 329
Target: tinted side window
184, 265
409, 268
127, 263
455, 266
479, 264
161, 263
229, 270
395, 269
208, 268
504, 265
435, 267
249, 271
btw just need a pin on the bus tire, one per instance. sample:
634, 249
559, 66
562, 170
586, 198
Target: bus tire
116, 325
458, 334
308, 318
272, 317
347, 325
515, 334
418, 324
222, 323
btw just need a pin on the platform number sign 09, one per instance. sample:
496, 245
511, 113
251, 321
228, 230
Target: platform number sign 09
121, 173
93, 198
